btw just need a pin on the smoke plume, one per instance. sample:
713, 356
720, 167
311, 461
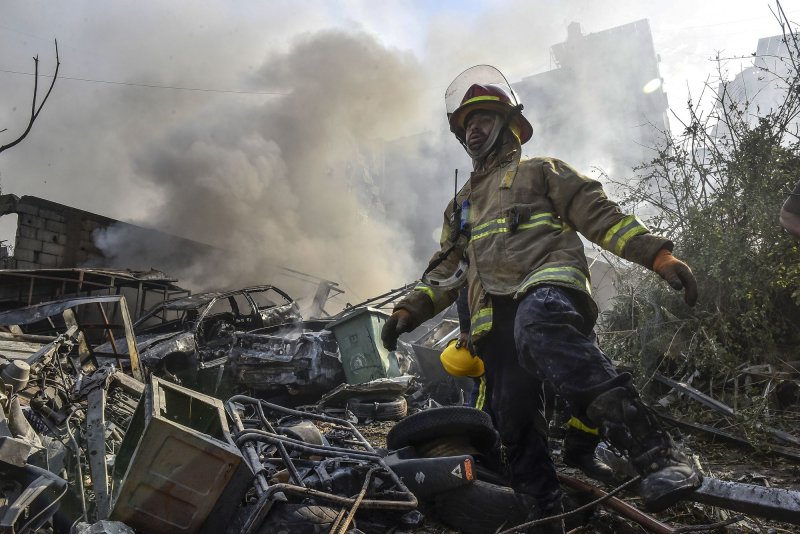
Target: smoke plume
288, 182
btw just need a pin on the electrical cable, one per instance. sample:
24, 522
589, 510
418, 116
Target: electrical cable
150, 85
592, 504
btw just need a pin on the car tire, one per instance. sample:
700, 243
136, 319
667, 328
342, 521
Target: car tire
378, 408
482, 507
437, 423
285, 518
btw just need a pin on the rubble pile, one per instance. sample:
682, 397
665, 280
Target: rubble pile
229, 412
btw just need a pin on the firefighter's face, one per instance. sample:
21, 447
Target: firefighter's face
478, 127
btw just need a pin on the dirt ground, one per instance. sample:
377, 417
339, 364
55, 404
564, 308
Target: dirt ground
719, 460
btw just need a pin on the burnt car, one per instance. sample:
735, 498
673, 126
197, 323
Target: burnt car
180, 338
292, 363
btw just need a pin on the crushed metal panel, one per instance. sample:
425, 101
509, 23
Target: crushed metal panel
175, 462
36, 501
39, 312
301, 360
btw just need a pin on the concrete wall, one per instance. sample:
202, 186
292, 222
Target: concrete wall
51, 235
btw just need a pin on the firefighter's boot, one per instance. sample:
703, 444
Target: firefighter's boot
579, 447
667, 474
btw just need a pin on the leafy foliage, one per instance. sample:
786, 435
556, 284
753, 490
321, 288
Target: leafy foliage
716, 189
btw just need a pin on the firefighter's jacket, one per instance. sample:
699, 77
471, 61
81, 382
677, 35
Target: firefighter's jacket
520, 221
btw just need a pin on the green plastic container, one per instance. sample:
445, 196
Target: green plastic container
359, 337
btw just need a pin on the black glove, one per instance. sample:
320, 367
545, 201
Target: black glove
399, 322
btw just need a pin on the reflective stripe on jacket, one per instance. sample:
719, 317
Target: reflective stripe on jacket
523, 222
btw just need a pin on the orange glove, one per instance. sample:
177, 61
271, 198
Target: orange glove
399, 322
677, 274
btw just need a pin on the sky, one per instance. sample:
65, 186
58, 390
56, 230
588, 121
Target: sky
248, 125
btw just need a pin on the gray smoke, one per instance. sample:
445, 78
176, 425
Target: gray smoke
343, 177
288, 182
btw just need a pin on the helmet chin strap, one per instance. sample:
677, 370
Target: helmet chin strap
488, 144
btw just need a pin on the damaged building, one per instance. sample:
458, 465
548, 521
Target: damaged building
609, 78
51, 235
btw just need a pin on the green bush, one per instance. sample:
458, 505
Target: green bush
716, 189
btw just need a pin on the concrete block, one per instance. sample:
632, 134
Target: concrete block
53, 248
32, 221
28, 232
52, 215
47, 236
23, 254
48, 260
89, 224
29, 244
27, 209
54, 226
21, 264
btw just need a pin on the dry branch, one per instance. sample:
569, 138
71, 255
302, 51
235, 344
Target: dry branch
34, 110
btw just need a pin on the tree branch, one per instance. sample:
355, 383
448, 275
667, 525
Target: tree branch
34, 111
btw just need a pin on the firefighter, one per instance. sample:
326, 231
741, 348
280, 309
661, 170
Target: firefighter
513, 230
580, 438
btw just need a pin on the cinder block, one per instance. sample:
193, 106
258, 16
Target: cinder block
47, 236
27, 209
48, 260
89, 224
53, 248
29, 244
32, 221
23, 254
52, 215
53, 226
22, 264
28, 232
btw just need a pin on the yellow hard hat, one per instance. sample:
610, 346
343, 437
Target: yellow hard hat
460, 361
